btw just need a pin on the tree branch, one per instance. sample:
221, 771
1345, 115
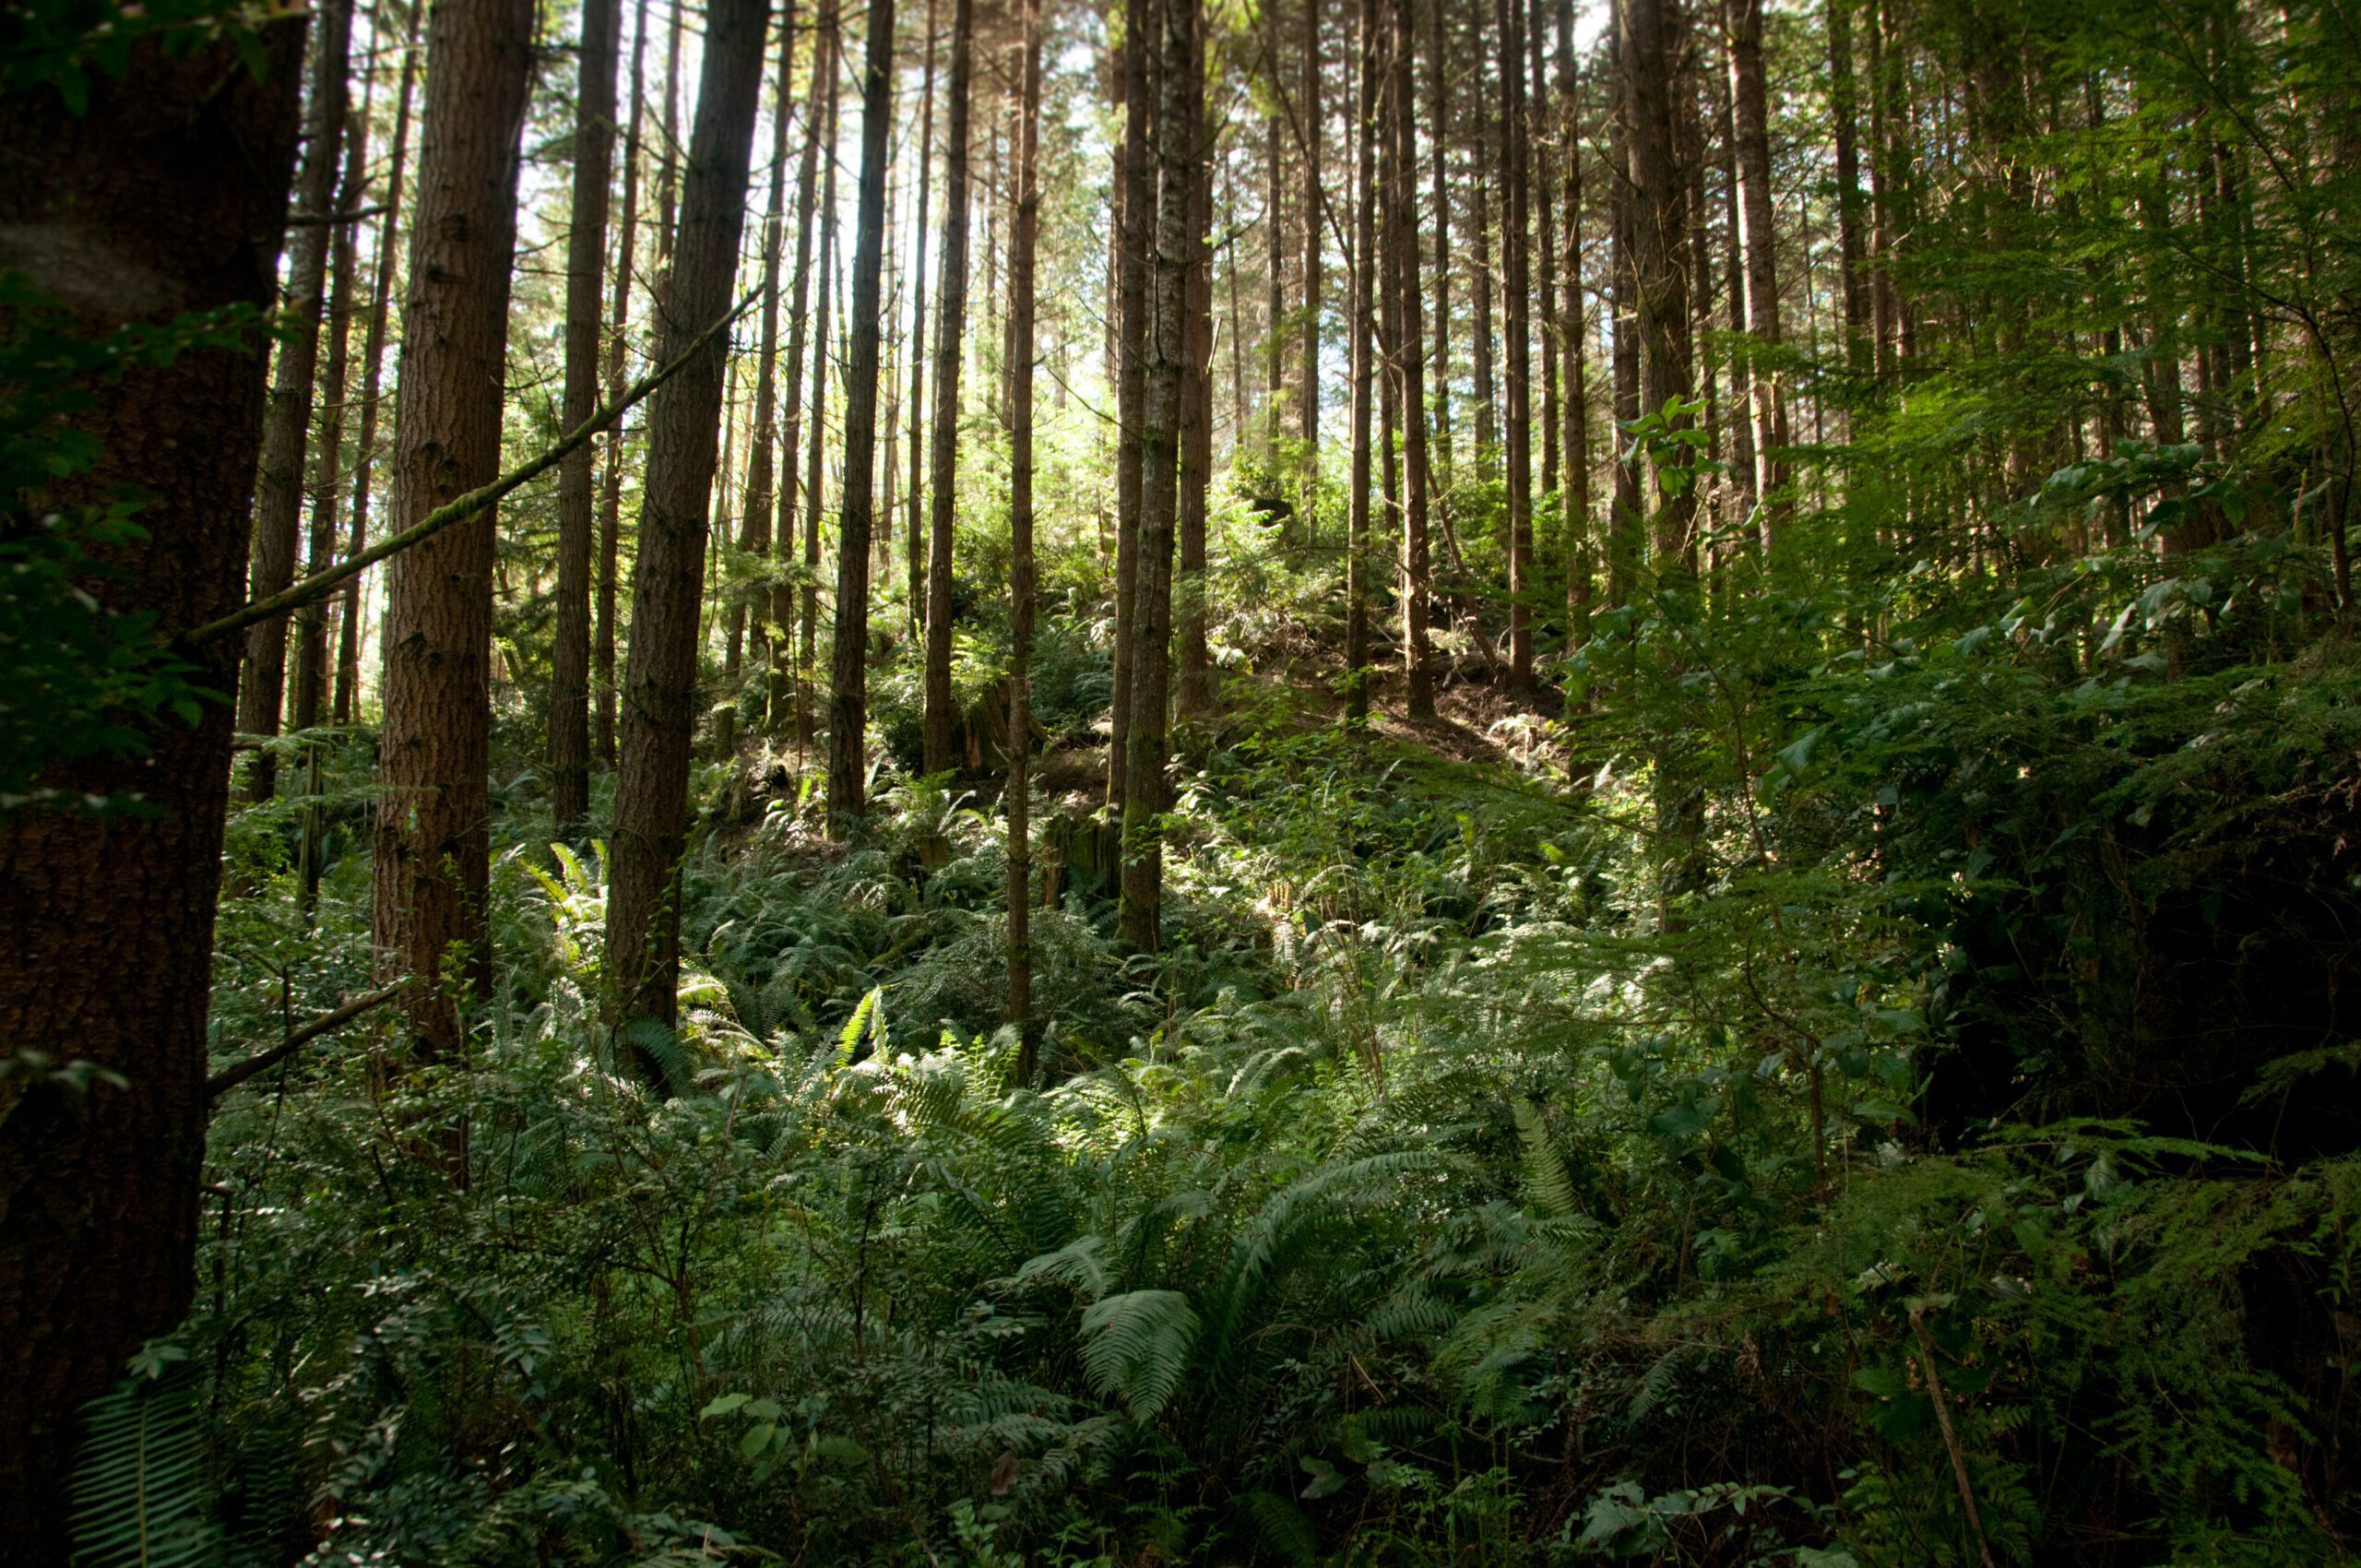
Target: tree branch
230, 1077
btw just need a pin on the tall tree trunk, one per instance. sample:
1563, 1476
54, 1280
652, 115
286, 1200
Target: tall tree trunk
1625, 523
1363, 282
1439, 97
1750, 108
1545, 241
1515, 293
1480, 278
668, 582
668, 161
372, 363
1572, 335
1196, 697
1180, 95
1142, 41
1844, 120
1660, 225
287, 427
914, 536
610, 484
815, 471
1885, 307
586, 254
433, 830
1275, 317
1021, 245
950, 342
818, 100
1314, 208
1410, 352
848, 686
761, 466
167, 195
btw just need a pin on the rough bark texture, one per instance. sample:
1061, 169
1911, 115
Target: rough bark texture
949, 326
1315, 205
1625, 523
849, 690
660, 694
1844, 117
287, 424
1749, 112
1196, 694
1142, 41
914, 535
816, 118
1356, 673
1179, 110
1022, 238
1660, 274
1573, 335
432, 837
585, 251
327, 469
166, 195
1417, 591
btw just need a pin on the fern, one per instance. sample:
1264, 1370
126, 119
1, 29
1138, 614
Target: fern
139, 1486
1137, 1346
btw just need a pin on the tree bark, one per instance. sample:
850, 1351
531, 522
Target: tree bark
1410, 359
1363, 284
610, 498
1660, 224
166, 195
818, 102
432, 844
1438, 94
1275, 319
949, 326
1481, 279
1023, 232
586, 251
1625, 524
762, 464
1181, 109
1758, 238
1196, 697
1573, 335
1515, 291
814, 473
287, 426
914, 537
1142, 44
1314, 203
1544, 250
848, 688
1845, 118
373, 360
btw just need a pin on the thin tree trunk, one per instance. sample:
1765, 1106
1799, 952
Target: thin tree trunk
1742, 23
660, 701
1659, 264
668, 165
950, 341
1274, 337
287, 427
1181, 91
1572, 336
1021, 245
373, 363
1363, 283
1410, 355
1142, 24
107, 919
761, 466
1884, 302
814, 473
610, 498
1624, 526
432, 848
1545, 240
848, 687
585, 251
914, 537
1196, 696
1844, 114
1439, 93
311, 677
784, 687
1480, 282
1515, 293
1313, 205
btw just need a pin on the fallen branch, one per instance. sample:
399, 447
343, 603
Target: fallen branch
229, 1078
320, 584
1950, 1438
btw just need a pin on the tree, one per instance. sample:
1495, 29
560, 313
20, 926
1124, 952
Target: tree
818, 119
432, 844
163, 199
1573, 337
1742, 29
848, 686
287, 427
659, 696
610, 485
951, 320
1197, 684
1135, 227
1021, 241
914, 535
1363, 295
1515, 293
1409, 366
586, 250
1180, 113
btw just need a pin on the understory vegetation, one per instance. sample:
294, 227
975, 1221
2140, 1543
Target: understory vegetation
1968, 1127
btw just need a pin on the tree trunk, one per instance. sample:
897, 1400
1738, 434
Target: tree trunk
1021, 247
818, 102
1742, 23
1315, 207
287, 427
610, 498
1196, 697
914, 535
434, 757
761, 465
848, 687
1143, 41
1545, 242
1844, 117
668, 582
1660, 225
950, 327
1624, 526
1410, 355
1181, 110
814, 473
1363, 283
1480, 280
1439, 96
1572, 335
1515, 291
1275, 335
167, 195
586, 251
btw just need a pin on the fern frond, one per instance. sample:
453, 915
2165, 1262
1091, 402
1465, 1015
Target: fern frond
1137, 1346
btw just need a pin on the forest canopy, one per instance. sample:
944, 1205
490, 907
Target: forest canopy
1111, 782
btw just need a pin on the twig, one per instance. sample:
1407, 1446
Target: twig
1950, 1438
